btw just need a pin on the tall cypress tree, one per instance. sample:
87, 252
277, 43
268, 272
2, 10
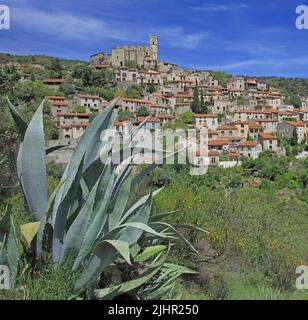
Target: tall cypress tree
196, 102
203, 106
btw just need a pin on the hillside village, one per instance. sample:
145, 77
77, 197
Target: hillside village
244, 116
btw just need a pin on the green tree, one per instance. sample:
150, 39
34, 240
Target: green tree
142, 112
203, 106
294, 139
134, 92
196, 101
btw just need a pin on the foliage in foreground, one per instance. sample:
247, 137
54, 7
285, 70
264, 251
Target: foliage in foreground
88, 226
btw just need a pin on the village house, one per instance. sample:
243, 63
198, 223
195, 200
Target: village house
250, 149
56, 107
57, 104
150, 78
201, 158
243, 128
184, 97
53, 83
269, 142
236, 84
251, 84
133, 105
210, 82
228, 130
70, 118
159, 109
90, 102
122, 126
73, 131
182, 107
286, 130
206, 120
151, 123
254, 130
286, 108
165, 119
304, 102
269, 125
221, 104
167, 90
222, 146
158, 98
126, 75
302, 115
181, 85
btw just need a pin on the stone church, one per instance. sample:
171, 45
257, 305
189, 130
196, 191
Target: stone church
136, 56
144, 57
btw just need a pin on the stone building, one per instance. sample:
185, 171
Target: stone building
141, 56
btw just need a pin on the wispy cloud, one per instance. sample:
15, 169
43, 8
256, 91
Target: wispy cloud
68, 26
221, 7
179, 38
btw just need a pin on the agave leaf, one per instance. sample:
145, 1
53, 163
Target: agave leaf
122, 247
103, 256
62, 207
29, 231
3, 254
176, 232
84, 189
149, 252
19, 121
137, 205
120, 201
95, 144
33, 166
122, 231
12, 253
98, 219
160, 216
5, 222
75, 235
45, 217
165, 282
72, 175
111, 293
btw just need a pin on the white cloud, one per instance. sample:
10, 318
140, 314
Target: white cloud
222, 7
68, 26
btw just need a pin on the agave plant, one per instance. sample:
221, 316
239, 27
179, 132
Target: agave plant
88, 216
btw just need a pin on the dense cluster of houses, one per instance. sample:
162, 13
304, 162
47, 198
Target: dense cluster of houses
245, 117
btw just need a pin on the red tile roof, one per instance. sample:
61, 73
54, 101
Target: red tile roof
88, 96
58, 103
296, 123
150, 120
249, 144
205, 115
59, 114
55, 98
165, 116
80, 125
227, 128
136, 100
267, 136
214, 143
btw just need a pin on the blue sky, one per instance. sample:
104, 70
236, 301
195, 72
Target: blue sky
249, 37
